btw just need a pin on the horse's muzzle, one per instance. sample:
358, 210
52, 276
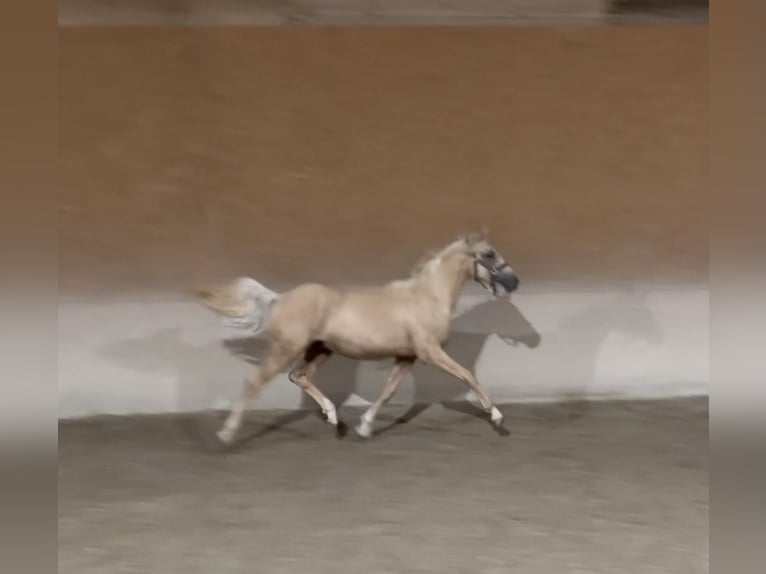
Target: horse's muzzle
508, 281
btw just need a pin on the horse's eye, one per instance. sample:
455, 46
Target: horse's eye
489, 254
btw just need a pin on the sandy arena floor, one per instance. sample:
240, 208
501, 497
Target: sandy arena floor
592, 488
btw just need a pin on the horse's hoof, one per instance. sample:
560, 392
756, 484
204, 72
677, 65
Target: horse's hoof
341, 430
331, 417
226, 437
363, 430
497, 422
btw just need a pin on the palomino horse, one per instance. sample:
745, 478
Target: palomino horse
407, 319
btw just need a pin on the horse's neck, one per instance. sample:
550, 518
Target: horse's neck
445, 280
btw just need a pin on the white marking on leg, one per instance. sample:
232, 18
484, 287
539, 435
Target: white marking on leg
232, 422
364, 428
368, 417
496, 415
331, 413
225, 435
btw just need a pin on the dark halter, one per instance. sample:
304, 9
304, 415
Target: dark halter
494, 271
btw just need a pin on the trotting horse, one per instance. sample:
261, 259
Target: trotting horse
407, 319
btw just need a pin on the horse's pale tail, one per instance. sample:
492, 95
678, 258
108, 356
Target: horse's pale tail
242, 298
224, 301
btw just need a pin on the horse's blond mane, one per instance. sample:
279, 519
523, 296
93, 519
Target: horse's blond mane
433, 255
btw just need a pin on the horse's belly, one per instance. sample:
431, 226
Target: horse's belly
359, 339
367, 346
363, 353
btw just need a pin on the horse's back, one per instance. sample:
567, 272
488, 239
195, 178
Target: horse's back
300, 312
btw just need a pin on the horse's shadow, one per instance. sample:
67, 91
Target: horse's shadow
588, 329
198, 371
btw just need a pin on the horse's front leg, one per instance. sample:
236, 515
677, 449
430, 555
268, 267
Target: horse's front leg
436, 356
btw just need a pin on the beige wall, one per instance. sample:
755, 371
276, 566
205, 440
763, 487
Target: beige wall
342, 154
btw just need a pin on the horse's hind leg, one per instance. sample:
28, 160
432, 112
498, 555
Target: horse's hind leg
278, 358
400, 370
436, 356
316, 354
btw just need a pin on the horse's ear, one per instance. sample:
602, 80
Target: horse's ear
476, 236
481, 235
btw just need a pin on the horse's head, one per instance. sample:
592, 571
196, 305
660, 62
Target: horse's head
519, 331
633, 318
489, 269
625, 313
